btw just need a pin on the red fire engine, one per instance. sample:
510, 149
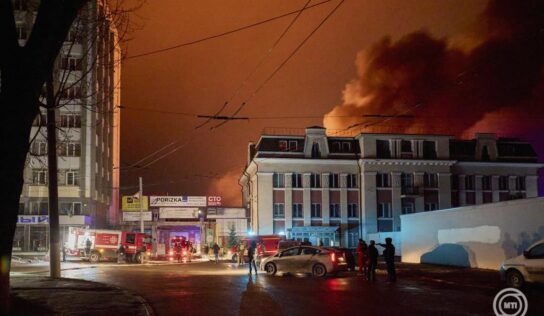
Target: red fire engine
100, 244
267, 245
178, 249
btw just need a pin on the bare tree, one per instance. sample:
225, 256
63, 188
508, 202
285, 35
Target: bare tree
23, 72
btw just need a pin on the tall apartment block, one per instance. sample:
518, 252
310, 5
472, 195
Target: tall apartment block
87, 82
332, 190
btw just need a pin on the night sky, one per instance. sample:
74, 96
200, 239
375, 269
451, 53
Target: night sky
457, 66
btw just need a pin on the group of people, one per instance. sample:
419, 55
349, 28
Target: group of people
367, 256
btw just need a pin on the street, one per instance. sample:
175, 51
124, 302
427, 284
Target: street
224, 289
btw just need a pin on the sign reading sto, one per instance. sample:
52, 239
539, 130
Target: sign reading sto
131, 203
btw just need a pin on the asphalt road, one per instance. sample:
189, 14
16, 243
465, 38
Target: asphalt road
223, 289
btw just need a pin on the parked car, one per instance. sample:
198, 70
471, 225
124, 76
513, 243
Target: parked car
319, 261
527, 268
350, 258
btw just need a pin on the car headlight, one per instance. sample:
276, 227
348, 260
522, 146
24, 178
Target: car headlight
171, 252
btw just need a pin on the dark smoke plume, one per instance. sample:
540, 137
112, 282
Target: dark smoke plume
496, 85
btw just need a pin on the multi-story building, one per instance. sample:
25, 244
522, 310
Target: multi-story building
86, 81
331, 190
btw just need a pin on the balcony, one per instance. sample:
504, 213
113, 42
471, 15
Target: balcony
411, 191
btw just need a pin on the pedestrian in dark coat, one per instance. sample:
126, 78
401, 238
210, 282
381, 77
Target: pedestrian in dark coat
251, 256
389, 256
216, 252
372, 261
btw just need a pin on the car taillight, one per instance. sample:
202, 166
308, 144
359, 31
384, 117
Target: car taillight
333, 257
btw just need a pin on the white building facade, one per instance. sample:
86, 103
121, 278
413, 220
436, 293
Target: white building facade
333, 190
87, 85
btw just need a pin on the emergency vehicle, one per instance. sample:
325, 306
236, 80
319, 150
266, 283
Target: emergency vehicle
267, 245
104, 244
178, 249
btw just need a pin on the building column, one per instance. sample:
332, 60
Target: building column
288, 200
265, 204
444, 190
325, 199
369, 215
306, 199
396, 203
531, 186
462, 191
344, 209
495, 188
478, 187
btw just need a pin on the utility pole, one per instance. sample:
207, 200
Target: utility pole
140, 196
54, 245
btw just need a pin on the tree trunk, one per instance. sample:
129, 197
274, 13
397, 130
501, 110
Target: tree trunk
19, 107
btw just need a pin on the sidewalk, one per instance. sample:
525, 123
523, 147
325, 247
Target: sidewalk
36, 295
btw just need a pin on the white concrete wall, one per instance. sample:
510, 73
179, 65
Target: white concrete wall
477, 236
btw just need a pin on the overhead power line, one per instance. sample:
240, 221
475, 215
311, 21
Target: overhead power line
264, 57
176, 46
280, 66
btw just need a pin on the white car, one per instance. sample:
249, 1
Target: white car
528, 267
319, 261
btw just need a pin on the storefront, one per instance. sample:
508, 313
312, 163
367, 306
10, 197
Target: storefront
32, 232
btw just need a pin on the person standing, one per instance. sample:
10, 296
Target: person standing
389, 256
362, 256
240, 252
251, 256
88, 245
216, 252
372, 261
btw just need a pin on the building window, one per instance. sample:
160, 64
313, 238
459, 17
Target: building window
293, 145
74, 36
72, 177
316, 210
383, 149
21, 208
384, 210
406, 149
282, 145
334, 210
430, 180
19, 5
520, 183
296, 180
486, 183
21, 32
383, 180
346, 147
39, 176
71, 92
431, 207
70, 120
407, 207
39, 148
353, 210
316, 153
429, 150
39, 208
470, 198
70, 149
70, 208
407, 180
469, 182
315, 180
336, 147
333, 180
455, 182
279, 211
278, 180
503, 183
70, 63
352, 181
297, 210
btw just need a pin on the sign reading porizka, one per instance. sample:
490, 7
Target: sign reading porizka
177, 201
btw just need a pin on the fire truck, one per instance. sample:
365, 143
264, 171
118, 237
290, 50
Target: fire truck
267, 245
104, 244
178, 249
